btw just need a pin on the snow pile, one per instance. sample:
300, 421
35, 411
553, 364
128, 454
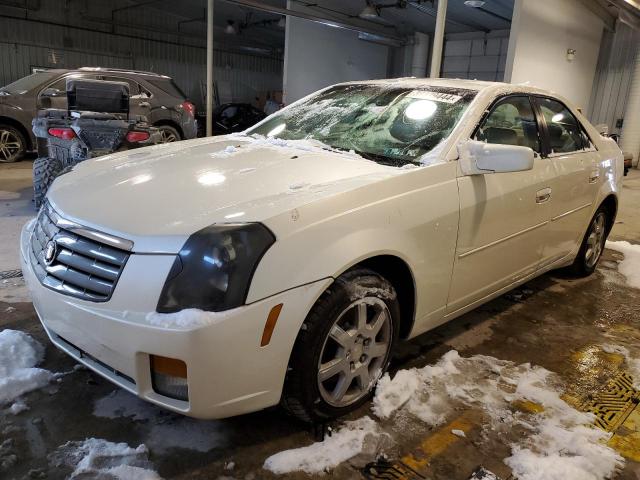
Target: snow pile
630, 266
562, 441
345, 443
98, 458
225, 152
633, 364
19, 353
18, 407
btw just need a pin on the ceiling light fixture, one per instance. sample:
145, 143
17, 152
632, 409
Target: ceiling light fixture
474, 3
230, 29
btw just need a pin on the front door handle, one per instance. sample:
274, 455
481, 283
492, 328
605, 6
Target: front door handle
594, 175
543, 195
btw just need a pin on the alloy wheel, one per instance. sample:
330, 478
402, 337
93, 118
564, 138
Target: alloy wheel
10, 146
355, 352
595, 240
167, 136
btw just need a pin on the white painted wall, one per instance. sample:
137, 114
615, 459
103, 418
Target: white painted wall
541, 33
316, 56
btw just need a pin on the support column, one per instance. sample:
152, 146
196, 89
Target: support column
438, 39
630, 139
209, 68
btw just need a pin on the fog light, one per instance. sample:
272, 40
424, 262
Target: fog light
169, 377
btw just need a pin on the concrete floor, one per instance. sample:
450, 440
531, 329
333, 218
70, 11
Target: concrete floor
552, 321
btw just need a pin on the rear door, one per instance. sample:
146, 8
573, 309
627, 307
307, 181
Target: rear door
575, 180
503, 216
138, 97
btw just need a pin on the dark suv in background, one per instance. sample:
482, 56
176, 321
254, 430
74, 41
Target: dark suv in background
155, 96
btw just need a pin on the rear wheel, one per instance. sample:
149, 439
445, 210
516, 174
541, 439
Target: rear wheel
45, 171
168, 134
12, 144
592, 245
343, 348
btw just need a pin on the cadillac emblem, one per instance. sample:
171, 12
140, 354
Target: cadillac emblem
50, 251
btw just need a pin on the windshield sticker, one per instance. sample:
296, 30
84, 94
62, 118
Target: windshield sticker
435, 96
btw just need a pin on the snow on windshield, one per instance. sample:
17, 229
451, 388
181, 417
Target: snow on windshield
387, 124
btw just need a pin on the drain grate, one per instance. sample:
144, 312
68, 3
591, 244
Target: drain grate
385, 470
615, 403
10, 274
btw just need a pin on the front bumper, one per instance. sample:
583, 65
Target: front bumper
229, 373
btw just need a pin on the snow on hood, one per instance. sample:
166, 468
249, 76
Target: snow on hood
19, 354
170, 191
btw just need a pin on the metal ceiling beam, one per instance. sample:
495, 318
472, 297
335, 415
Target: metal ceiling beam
314, 18
606, 16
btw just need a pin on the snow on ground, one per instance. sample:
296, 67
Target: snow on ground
19, 354
633, 364
98, 458
345, 443
164, 430
630, 266
561, 442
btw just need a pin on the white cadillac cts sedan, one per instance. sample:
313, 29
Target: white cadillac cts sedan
220, 276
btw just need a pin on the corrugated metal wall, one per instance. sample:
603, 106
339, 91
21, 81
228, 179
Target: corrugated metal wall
476, 55
26, 44
613, 75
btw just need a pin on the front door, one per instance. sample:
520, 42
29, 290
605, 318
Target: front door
574, 185
503, 216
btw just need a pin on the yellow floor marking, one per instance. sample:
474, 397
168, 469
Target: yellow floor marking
437, 443
626, 440
528, 406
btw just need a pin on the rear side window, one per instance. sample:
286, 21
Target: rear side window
134, 89
167, 85
511, 122
565, 132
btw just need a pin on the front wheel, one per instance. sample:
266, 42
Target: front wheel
343, 348
592, 245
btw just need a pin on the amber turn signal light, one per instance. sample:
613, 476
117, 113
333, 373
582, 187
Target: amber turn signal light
270, 325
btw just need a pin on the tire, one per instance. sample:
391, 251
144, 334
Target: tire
168, 134
592, 244
12, 144
45, 171
361, 360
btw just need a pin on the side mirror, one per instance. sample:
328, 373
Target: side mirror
478, 158
52, 92
603, 129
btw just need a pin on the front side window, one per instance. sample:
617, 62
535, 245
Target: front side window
386, 124
565, 133
511, 122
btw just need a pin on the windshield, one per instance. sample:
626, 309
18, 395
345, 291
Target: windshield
389, 125
28, 83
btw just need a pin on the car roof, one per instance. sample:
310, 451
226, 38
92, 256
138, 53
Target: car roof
461, 83
109, 70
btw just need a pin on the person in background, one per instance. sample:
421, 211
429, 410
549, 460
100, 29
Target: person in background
270, 106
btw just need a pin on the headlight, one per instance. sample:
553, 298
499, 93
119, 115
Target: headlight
213, 270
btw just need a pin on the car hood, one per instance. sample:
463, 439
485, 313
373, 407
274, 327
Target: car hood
157, 196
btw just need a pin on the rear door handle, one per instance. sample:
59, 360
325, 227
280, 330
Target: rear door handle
543, 195
594, 175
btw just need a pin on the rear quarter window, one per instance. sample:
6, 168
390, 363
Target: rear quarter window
168, 86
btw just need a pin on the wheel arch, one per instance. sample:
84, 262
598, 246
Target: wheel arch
610, 202
20, 127
397, 271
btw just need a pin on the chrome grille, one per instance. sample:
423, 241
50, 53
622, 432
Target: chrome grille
80, 266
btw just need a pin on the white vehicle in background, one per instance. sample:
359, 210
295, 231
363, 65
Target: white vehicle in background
225, 275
